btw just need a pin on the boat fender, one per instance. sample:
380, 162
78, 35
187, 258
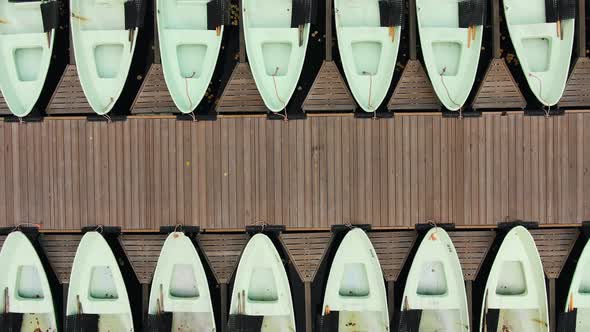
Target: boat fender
82, 323
567, 321
304, 11
134, 14
50, 15
217, 14
410, 320
244, 323
159, 323
391, 13
11, 322
329, 322
492, 318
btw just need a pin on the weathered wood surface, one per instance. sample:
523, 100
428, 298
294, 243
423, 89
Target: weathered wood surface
61, 250
306, 251
554, 247
472, 248
144, 173
143, 252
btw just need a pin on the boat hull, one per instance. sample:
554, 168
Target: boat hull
543, 56
25, 53
23, 276
356, 288
262, 285
180, 286
97, 286
450, 59
435, 285
516, 285
189, 51
275, 53
103, 50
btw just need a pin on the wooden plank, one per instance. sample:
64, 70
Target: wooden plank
144, 173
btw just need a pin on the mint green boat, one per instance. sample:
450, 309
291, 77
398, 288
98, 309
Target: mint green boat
180, 287
261, 296
368, 51
435, 285
578, 296
451, 53
189, 50
26, 295
356, 288
544, 49
515, 298
26, 45
97, 289
103, 49
276, 52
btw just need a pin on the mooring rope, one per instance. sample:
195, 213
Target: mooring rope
445, 86
546, 108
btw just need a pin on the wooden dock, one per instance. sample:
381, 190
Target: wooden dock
150, 171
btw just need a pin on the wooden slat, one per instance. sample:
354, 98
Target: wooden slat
329, 91
223, 252
241, 94
498, 89
69, 97
472, 248
306, 251
392, 249
143, 252
4, 110
145, 173
554, 247
414, 90
153, 96
60, 251
576, 91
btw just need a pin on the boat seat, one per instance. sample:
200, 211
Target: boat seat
30, 49
539, 39
367, 48
113, 45
190, 49
450, 40
281, 42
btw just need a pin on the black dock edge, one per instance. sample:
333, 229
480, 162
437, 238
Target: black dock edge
189, 230
426, 227
196, 117
555, 112
267, 229
27, 230
105, 230
106, 118
26, 119
508, 225
345, 228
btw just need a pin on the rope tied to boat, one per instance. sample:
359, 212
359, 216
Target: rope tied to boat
433, 236
274, 80
442, 79
546, 107
99, 229
190, 101
25, 224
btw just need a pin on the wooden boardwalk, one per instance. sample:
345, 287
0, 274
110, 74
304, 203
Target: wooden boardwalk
143, 173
